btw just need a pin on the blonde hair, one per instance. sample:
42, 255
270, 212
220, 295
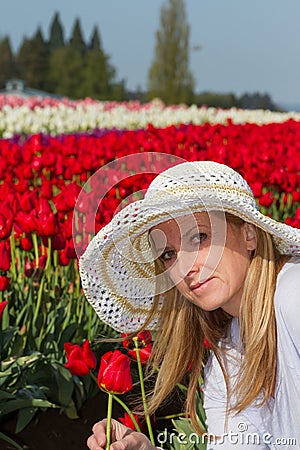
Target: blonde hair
179, 342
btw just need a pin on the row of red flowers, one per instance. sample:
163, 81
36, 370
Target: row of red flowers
41, 177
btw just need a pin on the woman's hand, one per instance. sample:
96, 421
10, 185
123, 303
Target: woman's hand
122, 438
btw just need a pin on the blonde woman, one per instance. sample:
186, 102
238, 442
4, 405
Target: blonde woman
196, 258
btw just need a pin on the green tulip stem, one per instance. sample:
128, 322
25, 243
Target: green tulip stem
39, 299
109, 414
55, 262
36, 249
117, 399
141, 376
48, 263
13, 253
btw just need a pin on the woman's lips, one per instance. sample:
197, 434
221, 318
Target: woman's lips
196, 286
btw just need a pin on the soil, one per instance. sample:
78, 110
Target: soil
53, 431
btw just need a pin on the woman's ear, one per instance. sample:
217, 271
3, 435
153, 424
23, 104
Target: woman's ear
250, 236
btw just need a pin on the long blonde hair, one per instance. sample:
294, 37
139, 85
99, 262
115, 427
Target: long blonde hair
179, 343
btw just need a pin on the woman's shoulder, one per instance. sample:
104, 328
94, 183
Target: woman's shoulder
287, 299
288, 280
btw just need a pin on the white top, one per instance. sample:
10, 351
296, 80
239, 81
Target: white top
257, 427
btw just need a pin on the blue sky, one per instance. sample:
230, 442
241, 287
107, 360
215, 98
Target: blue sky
246, 46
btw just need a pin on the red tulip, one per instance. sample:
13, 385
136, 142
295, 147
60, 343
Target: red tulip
63, 259
58, 242
42, 262
143, 339
266, 199
2, 307
70, 250
46, 189
48, 224
4, 282
28, 222
6, 223
26, 243
81, 360
44, 207
127, 421
114, 374
5, 256
144, 354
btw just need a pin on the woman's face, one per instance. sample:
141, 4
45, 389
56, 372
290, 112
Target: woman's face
206, 257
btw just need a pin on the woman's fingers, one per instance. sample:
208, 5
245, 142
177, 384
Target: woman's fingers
122, 438
97, 440
93, 444
133, 441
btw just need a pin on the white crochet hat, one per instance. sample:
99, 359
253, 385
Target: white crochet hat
117, 269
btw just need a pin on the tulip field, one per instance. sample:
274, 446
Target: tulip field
48, 150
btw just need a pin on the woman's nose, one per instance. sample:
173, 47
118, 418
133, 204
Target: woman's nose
188, 264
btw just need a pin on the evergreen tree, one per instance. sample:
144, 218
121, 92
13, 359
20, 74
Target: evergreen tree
98, 76
76, 41
95, 43
66, 67
169, 76
7, 66
32, 61
56, 39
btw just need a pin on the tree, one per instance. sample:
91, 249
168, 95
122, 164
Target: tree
76, 41
95, 42
7, 66
169, 76
97, 76
56, 39
66, 72
256, 101
32, 61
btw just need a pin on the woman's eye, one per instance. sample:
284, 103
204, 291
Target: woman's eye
167, 256
198, 238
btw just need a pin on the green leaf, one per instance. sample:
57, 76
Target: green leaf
186, 433
71, 411
24, 417
68, 333
65, 385
17, 404
4, 394
10, 441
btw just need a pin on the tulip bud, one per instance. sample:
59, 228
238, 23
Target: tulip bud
81, 360
5, 255
4, 282
114, 374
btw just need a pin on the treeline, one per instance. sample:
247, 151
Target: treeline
78, 69
69, 67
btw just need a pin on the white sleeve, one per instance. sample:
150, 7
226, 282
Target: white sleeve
238, 431
287, 303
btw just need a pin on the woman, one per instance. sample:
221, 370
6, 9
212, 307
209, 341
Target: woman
196, 258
